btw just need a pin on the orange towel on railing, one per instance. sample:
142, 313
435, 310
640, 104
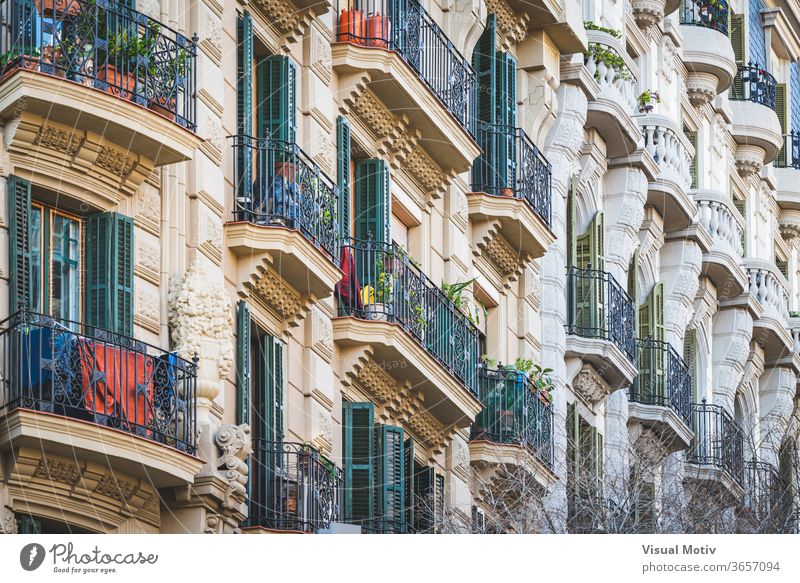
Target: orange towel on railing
111, 376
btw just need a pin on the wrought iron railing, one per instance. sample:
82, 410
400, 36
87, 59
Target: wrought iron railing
293, 487
752, 83
718, 440
382, 283
763, 487
78, 371
105, 45
511, 165
514, 412
664, 378
277, 184
598, 307
405, 27
789, 156
711, 14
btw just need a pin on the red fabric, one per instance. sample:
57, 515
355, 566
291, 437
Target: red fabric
348, 288
115, 393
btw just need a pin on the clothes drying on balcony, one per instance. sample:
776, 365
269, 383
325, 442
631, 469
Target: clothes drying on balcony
348, 290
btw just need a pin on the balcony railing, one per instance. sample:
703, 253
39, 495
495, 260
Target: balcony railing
752, 83
511, 165
514, 413
405, 27
722, 221
104, 45
789, 156
711, 14
718, 441
293, 487
598, 307
769, 287
664, 378
763, 487
278, 185
382, 283
669, 148
616, 78
73, 370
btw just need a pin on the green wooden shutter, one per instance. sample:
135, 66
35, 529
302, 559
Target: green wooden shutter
390, 478
372, 204
343, 174
780, 109
357, 459
506, 104
644, 509
439, 505
484, 63
737, 34
572, 440
589, 289
276, 389
740, 206
690, 358
244, 98
109, 272
571, 231
424, 478
597, 242
18, 192
408, 485
277, 100
658, 311
693, 165
243, 363
599, 461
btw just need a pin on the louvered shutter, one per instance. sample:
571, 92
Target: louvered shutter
599, 461
390, 478
372, 203
506, 96
597, 242
243, 363
572, 439
109, 272
737, 34
276, 394
693, 164
571, 231
439, 504
408, 485
18, 192
645, 508
780, 109
343, 175
658, 311
244, 102
277, 101
424, 478
690, 357
357, 458
484, 62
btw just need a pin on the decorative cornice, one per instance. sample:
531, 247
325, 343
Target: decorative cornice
510, 25
278, 296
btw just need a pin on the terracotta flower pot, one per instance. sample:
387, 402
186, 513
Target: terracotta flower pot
164, 106
507, 191
51, 56
352, 27
285, 170
57, 8
119, 84
378, 30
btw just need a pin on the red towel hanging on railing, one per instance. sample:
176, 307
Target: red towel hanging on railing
348, 289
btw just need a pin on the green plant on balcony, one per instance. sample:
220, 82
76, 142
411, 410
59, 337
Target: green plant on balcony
542, 382
454, 293
647, 99
610, 59
589, 25
30, 53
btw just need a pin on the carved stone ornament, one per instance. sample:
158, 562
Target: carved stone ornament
199, 313
647, 13
234, 443
590, 385
8, 524
701, 88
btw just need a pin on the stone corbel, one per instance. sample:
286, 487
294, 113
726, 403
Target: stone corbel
790, 229
285, 19
235, 446
589, 385
491, 245
464, 21
269, 290
511, 27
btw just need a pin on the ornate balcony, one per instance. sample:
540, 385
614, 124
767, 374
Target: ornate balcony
616, 74
770, 289
789, 156
673, 153
510, 202
661, 396
755, 124
80, 393
723, 262
391, 312
707, 50
399, 52
515, 427
716, 454
293, 488
601, 322
99, 82
284, 217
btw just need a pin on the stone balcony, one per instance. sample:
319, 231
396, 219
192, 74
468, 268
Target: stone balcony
89, 116
610, 113
707, 51
723, 262
673, 154
770, 288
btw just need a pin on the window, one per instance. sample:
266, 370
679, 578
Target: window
584, 472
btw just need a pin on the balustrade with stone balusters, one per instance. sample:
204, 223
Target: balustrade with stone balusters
769, 288
617, 83
722, 221
670, 149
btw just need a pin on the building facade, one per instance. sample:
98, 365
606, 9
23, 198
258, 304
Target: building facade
399, 266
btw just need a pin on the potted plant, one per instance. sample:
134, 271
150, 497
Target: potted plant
647, 100
378, 30
377, 299
164, 84
57, 9
22, 57
543, 383
117, 64
352, 26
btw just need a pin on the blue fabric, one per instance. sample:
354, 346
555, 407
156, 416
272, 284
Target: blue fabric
41, 351
758, 49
